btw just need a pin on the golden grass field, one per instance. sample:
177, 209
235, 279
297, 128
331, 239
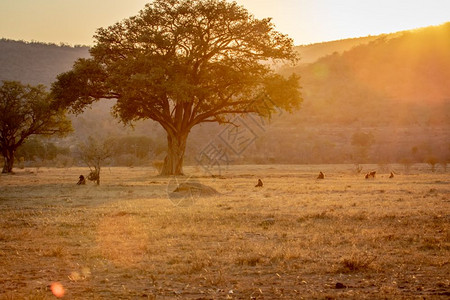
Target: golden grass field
297, 237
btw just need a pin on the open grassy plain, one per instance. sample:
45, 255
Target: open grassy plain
297, 237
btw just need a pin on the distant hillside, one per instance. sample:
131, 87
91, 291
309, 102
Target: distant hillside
410, 66
378, 81
36, 63
312, 52
393, 87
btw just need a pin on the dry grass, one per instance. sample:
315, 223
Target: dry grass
297, 237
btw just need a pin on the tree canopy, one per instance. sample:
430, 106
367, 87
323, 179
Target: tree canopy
26, 110
182, 63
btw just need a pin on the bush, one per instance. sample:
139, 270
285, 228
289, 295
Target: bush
356, 262
93, 176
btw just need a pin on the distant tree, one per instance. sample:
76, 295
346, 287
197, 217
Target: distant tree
31, 149
407, 163
358, 168
34, 148
362, 142
138, 146
94, 154
134, 150
444, 162
182, 63
432, 161
25, 111
362, 139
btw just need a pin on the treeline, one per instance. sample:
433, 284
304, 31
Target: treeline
125, 151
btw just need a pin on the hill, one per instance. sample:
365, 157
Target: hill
411, 66
312, 52
39, 63
36, 63
394, 88
377, 81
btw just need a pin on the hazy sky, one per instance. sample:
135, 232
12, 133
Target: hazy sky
306, 21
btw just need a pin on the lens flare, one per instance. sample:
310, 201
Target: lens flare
57, 289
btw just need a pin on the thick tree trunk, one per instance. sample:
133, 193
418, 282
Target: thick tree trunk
9, 160
176, 146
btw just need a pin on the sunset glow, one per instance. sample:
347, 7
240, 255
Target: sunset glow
306, 21
224, 149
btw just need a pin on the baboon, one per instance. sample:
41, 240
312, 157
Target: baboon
82, 180
321, 176
370, 174
259, 184
392, 175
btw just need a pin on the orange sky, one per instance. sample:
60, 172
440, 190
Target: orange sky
306, 21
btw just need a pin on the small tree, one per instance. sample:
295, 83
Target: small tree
25, 111
94, 153
362, 142
432, 161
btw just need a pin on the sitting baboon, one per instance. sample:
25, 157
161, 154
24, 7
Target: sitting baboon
321, 176
370, 174
259, 184
392, 175
82, 180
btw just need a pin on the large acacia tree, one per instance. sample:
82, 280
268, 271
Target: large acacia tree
182, 63
24, 111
